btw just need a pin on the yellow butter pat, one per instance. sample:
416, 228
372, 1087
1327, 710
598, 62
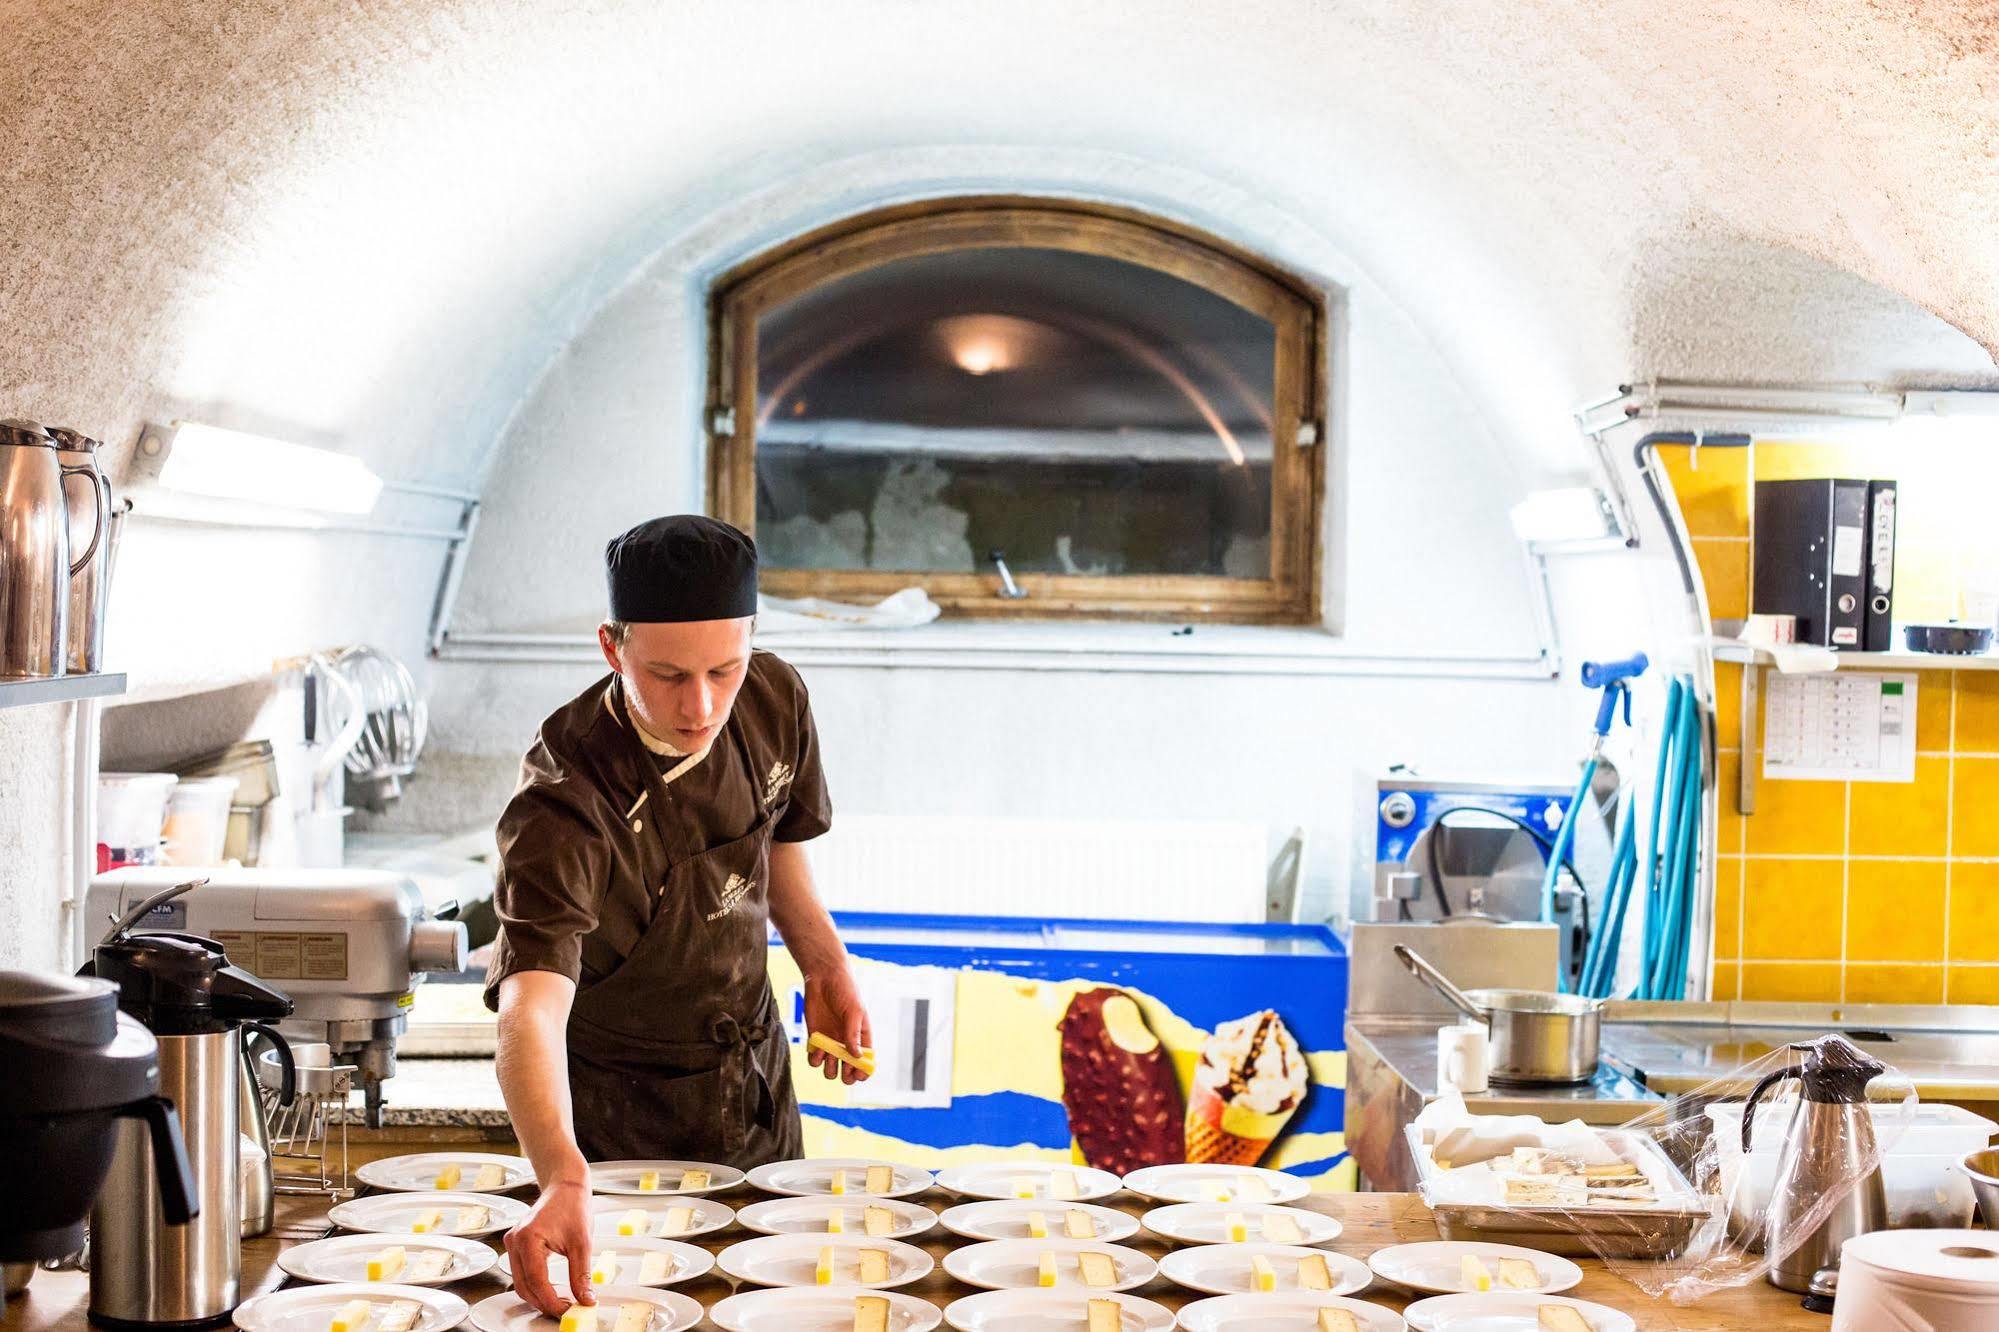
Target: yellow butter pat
1215, 1190
870, 1313
1037, 1226
604, 1270
385, 1265
839, 1184
1047, 1276
1312, 1273
1024, 1186
427, 1221
354, 1316
836, 1222
447, 1178
874, 1266
1106, 1316
473, 1218
633, 1222
1281, 1229
823, 1274
861, 1061
878, 1221
1238, 1228
429, 1265
1098, 1269
1338, 1320
489, 1177
654, 1267
633, 1316
1078, 1225
1519, 1274
580, 1318
1262, 1276
1473, 1274
648, 1181
400, 1316
881, 1179
1062, 1184
695, 1179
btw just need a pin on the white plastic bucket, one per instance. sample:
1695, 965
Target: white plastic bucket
197, 820
131, 810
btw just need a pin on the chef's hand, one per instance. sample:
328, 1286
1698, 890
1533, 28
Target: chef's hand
833, 1005
559, 1222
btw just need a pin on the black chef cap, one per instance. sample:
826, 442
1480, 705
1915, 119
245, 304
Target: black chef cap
680, 568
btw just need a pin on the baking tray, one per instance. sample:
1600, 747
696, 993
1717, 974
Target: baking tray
1657, 1230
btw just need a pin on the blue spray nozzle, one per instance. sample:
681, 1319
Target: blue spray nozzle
1601, 674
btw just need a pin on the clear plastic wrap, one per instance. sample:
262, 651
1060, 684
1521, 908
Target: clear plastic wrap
1667, 1200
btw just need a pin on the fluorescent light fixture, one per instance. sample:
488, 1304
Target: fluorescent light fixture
1572, 513
229, 464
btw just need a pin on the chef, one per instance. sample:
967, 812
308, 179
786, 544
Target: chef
658, 829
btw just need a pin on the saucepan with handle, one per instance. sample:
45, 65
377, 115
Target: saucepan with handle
1538, 1037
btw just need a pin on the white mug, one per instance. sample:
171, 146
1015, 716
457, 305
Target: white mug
1463, 1058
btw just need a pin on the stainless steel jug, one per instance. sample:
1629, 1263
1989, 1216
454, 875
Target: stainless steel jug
259, 1184
1828, 1152
88, 493
35, 563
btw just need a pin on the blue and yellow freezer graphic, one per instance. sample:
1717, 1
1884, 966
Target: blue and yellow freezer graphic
1014, 980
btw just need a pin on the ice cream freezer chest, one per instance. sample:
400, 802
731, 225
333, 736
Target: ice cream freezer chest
1118, 1044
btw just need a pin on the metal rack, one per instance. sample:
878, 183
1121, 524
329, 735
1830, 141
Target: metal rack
303, 1160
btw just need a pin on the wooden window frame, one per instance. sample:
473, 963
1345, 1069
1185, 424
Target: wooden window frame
1290, 594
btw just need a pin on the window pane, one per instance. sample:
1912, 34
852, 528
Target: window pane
1082, 414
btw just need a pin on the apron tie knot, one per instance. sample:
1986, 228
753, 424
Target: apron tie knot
725, 1031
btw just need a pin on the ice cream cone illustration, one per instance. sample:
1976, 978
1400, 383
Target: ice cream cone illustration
1250, 1081
1118, 1085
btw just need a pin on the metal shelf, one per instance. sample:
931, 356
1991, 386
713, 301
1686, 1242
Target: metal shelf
59, 689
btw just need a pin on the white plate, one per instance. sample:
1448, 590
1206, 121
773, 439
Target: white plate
1049, 1311
709, 1215
793, 1260
808, 1214
418, 1173
1208, 1223
1224, 1269
803, 1179
1516, 1312
311, 1308
1200, 1183
1016, 1264
688, 1262
1433, 1267
508, 1312
1002, 1179
817, 1309
1251, 1313
397, 1213
622, 1178
345, 1258
1006, 1219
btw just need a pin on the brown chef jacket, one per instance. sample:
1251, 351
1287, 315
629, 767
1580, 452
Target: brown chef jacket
651, 894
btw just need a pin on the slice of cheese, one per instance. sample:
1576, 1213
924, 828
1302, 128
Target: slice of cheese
823, 1273
1106, 1316
874, 1266
1281, 1229
1099, 1269
836, 1222
580, 1318
473, 1218
648, 1181
428, 1221
677, 1221
447, 1178
1252, 1188
1062, 1184
870, 1313
1037, 1225
354, 1316
400, 1316
428, 1265
1238, 1228
655, 1267
1561, 1318
634, 1222
1338, 1320
604, 1269
1047, 1273
881, 1179
1312, 1273
1079, 1225
839, 1184
1519, 1274
696, 1179
1024, 1187
1262, 1276
385, 1265
878, 1221
1473, 1274
490, 1177
634, 1316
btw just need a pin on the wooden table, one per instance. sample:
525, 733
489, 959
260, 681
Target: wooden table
55, 1301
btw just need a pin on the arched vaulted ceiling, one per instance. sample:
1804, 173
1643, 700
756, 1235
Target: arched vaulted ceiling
373, 224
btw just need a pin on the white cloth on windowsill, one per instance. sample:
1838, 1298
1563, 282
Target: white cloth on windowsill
903, 610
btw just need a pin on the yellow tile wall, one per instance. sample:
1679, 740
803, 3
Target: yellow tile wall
1858, 892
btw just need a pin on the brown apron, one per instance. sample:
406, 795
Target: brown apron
679, 1052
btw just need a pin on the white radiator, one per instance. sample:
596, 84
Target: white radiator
1209, 871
